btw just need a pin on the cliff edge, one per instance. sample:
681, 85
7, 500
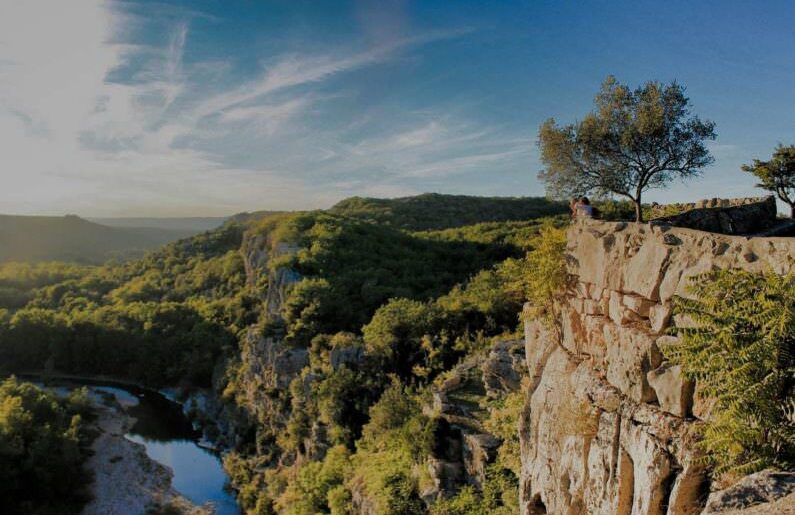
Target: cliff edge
608, 425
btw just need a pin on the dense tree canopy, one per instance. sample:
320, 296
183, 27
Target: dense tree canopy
382, 301
777, 174
634, 140
42, 450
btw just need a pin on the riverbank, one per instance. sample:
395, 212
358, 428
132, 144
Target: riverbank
126, 480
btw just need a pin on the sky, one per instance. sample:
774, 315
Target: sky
205, 108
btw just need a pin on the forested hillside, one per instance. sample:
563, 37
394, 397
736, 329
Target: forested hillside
71, 238
322, 333
194, 224
436, 211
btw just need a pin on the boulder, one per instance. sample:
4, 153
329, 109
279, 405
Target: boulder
480, 450
762, 487
738, 218
674, 392
504, 367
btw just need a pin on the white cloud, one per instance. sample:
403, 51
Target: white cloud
166, 137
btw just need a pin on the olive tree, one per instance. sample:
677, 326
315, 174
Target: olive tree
631, 142
777, 175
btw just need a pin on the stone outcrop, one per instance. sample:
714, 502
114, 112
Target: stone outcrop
762, 487
267, 364
463, 447
609, 426
726, 216
504, 367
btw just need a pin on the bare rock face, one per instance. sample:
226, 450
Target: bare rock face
726, 216
674, 393
504, 367
609, 426
480, 450
267, 367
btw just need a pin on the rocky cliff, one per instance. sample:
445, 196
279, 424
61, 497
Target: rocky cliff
608, 425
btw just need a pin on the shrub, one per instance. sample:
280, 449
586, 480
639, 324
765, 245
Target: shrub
503, 422
499, 496
542, 275
741, 352
397, 439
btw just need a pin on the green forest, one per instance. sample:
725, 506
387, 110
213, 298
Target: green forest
43, 444
383, 301
415, 284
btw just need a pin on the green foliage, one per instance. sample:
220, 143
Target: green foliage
632, 141
397, 330
513, 237
313, 487
349, 268
503, 422
498, 496
18, 280
397, 438
378, 308
41, 454
741, 351
615, 210
777, 174
541, 276
420, 339
435, 211
249, 483
165, 319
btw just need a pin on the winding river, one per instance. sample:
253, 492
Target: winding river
170, 439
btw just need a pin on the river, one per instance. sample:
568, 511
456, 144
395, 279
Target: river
170, 439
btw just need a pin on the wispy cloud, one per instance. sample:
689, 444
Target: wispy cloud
95, 121
296, 70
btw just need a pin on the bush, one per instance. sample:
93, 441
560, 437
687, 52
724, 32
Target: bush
394, 443
503, 422
741, 351
499, 496
542, 275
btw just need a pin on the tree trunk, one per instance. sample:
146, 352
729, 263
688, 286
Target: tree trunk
638, 211
792, 210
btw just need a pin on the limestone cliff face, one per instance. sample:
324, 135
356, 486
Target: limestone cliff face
267, 365
608, 426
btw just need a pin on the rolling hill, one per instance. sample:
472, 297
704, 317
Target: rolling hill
195, 224
437, 211
71, 238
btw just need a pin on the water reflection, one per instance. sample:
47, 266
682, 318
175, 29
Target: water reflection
170, 439
197, 472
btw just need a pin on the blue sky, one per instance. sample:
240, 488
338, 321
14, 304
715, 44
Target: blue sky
114, 108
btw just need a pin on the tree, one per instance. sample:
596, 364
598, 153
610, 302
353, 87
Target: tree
777, 175
633, 141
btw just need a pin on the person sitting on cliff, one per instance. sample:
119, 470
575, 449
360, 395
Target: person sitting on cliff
584, 208
575, 201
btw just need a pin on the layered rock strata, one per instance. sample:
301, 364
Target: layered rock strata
608, 426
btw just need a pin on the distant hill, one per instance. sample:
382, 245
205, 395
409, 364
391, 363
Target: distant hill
71, 238
437, 211
196, 224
